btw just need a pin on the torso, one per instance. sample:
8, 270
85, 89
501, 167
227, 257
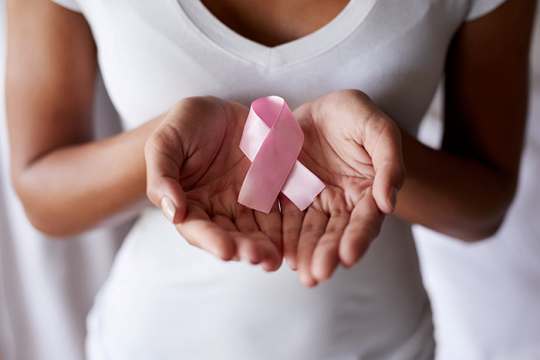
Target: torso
164, 299
275, 22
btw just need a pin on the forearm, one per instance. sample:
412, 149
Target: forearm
452, 195
73, 188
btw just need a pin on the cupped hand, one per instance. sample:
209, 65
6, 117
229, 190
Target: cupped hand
354, 148
195, 170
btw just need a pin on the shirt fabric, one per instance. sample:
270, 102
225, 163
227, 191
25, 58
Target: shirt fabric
166, 299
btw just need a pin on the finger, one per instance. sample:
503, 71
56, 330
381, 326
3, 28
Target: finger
200, 231
364, 226
312, 230
326, 254
256, 248
270, 225
261, 249
272, 257
245, 220
226, 223
247, 249
291, 218
386, 151
162, 174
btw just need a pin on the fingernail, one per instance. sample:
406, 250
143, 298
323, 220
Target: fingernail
307, 280
291, 262
267, 266
392, 197
245, 258
235, 258
168, 208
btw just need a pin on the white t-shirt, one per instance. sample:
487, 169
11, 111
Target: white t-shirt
167, 300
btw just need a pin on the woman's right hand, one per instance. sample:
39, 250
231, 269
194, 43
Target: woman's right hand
195, 170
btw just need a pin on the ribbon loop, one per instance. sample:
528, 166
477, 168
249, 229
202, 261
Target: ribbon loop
272, 140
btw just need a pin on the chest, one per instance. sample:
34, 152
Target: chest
153, 54
275, 22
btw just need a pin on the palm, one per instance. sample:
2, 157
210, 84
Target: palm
198, 145
194, 159
345, 217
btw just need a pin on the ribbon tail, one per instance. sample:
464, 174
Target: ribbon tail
302, 186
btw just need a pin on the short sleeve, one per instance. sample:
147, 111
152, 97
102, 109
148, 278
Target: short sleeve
480, 8
69, 4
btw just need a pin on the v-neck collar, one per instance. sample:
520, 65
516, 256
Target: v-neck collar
299, 50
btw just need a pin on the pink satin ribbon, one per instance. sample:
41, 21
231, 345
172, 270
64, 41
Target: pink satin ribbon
272, 140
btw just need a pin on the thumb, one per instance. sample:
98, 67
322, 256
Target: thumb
163, 174
389, 167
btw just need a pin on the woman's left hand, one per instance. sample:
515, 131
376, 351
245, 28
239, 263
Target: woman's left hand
354, 148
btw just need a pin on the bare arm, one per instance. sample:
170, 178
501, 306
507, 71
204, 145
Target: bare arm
464, 189
67, 182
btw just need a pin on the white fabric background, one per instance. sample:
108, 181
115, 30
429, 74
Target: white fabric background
47, 286
486, 296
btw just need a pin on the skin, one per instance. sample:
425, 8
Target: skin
59, 172
194, 160
273, 23
486, 94
363, 169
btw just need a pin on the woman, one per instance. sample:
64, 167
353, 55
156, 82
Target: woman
167, 299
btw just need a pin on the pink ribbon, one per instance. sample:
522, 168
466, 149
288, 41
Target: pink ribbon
272, 140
